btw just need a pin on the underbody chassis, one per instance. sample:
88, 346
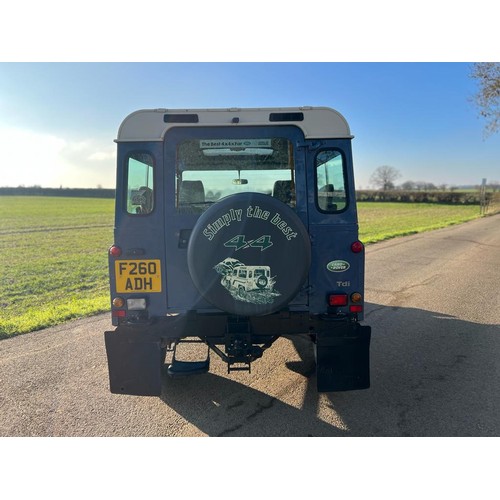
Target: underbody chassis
137, 352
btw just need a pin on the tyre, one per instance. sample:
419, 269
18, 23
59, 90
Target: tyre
255, 231
261, 282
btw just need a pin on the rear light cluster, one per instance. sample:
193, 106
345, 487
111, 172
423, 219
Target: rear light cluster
118, 304
356, 306
121, 305
342, 299
353, 301
134, 304
122, 308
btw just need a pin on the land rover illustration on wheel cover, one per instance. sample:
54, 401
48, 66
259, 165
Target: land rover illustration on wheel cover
233, 228
247, 283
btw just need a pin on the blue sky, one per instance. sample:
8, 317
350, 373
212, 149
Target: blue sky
58, 120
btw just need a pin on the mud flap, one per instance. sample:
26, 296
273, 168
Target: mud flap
134, 362
343, 358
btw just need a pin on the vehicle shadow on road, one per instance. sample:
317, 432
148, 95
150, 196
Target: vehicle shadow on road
431, 375
219, 406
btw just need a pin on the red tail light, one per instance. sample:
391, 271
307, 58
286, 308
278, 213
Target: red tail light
357, 247
115, 251
356, 309
337, 299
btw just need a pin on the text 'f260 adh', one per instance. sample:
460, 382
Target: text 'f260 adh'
138, 276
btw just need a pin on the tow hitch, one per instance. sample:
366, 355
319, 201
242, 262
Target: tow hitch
241, 346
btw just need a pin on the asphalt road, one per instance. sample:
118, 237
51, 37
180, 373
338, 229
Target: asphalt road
434, 307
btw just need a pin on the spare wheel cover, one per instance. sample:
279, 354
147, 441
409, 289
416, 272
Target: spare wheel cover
244, 237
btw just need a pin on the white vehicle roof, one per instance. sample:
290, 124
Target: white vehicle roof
150, 124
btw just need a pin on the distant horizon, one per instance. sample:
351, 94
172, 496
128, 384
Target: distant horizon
397, 187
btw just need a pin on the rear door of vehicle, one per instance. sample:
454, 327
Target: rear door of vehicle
179, 221
332, 219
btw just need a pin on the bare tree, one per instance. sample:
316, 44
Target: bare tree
384, 177
487, 98
408, 186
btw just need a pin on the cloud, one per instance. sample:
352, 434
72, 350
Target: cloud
32, 158
103, 155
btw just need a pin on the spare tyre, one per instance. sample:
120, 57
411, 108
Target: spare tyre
249, 254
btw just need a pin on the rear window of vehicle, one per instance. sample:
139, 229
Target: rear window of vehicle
210, 169
330, 181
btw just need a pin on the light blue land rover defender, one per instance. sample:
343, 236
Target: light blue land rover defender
234, 227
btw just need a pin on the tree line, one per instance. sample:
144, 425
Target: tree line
441, 197
70, 192
384, 178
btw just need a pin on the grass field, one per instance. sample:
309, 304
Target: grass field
53, 252
53, 260
381, 221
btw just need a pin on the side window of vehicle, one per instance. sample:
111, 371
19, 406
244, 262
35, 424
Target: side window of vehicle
330, 181
140, 187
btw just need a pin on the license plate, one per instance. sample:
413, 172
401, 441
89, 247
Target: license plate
138, 276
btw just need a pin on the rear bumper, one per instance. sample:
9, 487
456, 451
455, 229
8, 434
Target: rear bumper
136, 353
192, 324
